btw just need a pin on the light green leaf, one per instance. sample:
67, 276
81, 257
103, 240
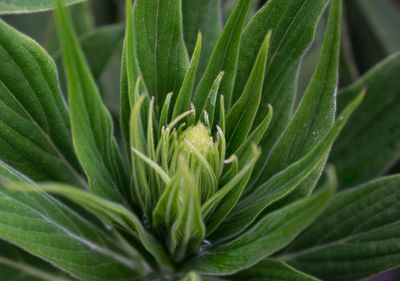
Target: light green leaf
188, 230
17, 265
224, 58
269, 235
203, 16
370, 144
293, 24
92, 127
48, 229
240, 118
357, 236
29, 6
161, 51
192, 276
257, 201
34, 125
316, 112
272, 270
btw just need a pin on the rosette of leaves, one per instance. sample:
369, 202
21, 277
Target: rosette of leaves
206, 182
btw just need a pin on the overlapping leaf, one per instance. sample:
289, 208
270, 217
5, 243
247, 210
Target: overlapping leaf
357, 236
92, 127
34, 125
293, 24
269, 235
161, 51
272, 270
370, 143
316, 111
224, 58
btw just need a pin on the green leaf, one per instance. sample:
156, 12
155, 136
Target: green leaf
240, 118
192, 276
34, 125
224, 58
161, 51
268, 236
110, 212
189, 230
92, 127
62, 237
130, 79
370, 143
357, 236
316, 112
184, 98
272, 270
17, 265
293, 24
252, 205
29, 6
203, 16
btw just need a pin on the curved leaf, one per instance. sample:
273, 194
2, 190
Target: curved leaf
357, 236
34, 125
272, 270
29, 6
370, 143
224, 58
62, 237
92, 127
268, 236
161, 51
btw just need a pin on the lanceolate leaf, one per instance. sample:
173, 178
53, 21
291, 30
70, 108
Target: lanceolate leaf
34, 125
272, 270
203, 16
357, 236
316, 112
161, 51
29, 6
293, 24
183, 100
241, 116
92, 126
250, 207
17, 265
268, 236
370, 144
224, 58
60, 236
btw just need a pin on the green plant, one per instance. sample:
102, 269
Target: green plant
220, 178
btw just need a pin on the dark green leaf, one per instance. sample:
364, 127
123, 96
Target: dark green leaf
29, 6
62, 237
268, 236
316, 112
161, 51
240, 118
250, 207
92, 127
272, 270
224, 58
34, 125
293, 24
370, 143
357, 236
17, 265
